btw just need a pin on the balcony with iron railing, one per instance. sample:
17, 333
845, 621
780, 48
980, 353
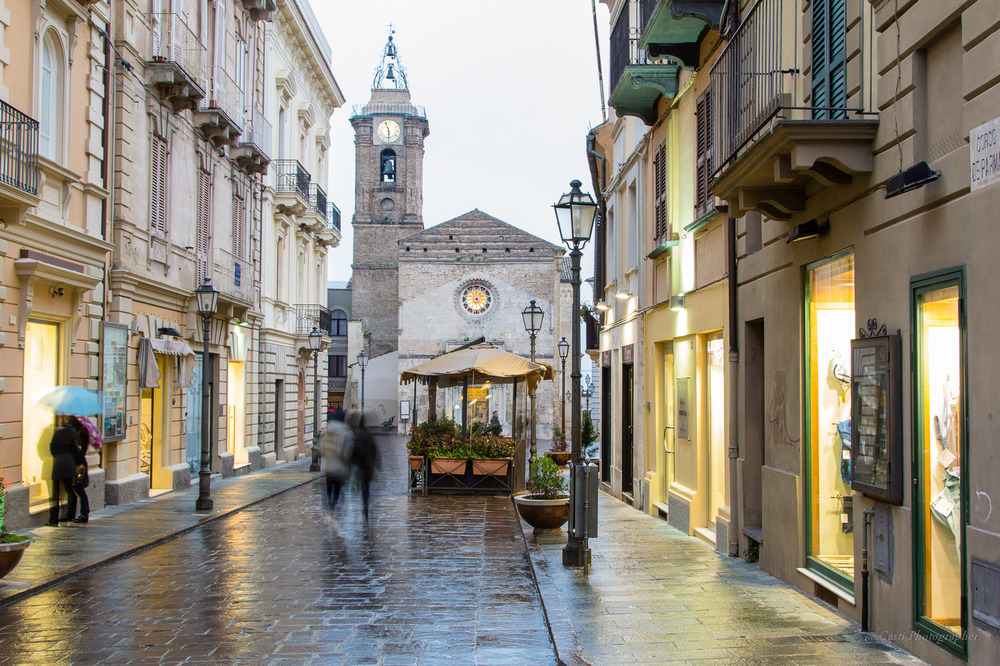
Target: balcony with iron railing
252, 151
221, 115
291, 187
775, 140
177, 64
637, 82
317, 199
333, 216
18, 159
676, 28
309, 315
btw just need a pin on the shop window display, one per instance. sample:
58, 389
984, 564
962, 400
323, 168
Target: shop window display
830, 327
939, 457
41, 373
717, 455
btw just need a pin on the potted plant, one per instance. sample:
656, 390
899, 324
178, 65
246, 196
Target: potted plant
12, 545
560, 451
545, 506
588, 439
481, 461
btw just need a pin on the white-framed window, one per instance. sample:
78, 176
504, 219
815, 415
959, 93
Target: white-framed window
50, 99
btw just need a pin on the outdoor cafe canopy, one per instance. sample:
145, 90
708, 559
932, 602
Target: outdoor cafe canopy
476, 363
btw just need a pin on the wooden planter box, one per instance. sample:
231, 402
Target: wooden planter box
467, 475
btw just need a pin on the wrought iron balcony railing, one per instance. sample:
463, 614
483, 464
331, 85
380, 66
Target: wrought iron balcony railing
333, 215
226, 96
292, 177
259, 133
172, 41
18, 149
317, 199
625, 44
756, 79
309, 315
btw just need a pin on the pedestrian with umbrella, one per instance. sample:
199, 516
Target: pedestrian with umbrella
69, 462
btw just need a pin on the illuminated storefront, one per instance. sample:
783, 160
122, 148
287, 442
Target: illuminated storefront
41, 373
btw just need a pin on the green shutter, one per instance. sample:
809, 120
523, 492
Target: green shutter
829, 59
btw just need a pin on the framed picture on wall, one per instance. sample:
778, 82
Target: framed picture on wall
114, 353
876, 412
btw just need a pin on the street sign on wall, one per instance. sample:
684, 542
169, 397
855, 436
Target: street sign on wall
984, 154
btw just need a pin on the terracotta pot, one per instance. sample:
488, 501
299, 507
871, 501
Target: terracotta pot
545, 515
448, 465
494, 466
559, 457
10, 555
416, 463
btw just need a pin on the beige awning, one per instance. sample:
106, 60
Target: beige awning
171, 347
478, 363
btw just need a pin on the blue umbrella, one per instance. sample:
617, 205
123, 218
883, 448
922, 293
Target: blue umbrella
71, 400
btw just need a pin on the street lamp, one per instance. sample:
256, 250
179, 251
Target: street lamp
586, 393
315, 342
563, 353
208, 302
363, 362
575, 212
532, 316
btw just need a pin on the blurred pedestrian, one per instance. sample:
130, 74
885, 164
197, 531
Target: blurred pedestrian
364, 457
82, 478
63, 447
335, 446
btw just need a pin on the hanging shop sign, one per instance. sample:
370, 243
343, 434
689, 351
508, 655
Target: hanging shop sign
114, 354
876, 447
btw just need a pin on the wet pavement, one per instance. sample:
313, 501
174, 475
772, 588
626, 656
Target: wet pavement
430, 580
269, 578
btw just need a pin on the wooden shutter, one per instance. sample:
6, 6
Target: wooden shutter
829, 59
220, 48
703, 139
239, 226
156, 26
158, 187
204, 231
660, 193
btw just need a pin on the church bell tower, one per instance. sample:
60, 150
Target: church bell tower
389, 133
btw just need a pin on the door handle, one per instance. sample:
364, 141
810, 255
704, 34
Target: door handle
665, 429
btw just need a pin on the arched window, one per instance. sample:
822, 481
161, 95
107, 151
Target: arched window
50, 98
387, 166
338, 323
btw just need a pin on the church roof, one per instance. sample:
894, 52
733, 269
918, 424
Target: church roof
477, 233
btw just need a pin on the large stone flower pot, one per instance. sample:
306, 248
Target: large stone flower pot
545, 515
559, 457
10, 555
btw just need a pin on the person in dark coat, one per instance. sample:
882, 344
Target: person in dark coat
81, 481
63, 447
363, 457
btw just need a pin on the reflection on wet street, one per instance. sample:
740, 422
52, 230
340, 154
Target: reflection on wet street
431, 580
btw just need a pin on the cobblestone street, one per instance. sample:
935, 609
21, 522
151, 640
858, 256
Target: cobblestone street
436, 578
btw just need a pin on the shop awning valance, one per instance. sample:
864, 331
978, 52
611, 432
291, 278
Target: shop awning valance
171, 347
478, 363
149, 373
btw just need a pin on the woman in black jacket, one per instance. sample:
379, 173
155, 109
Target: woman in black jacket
81, 480
63, 447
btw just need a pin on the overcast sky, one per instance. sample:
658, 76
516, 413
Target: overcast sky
510, 88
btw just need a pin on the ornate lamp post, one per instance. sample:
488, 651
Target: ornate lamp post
575, 214
586, 393
208, 302
315, 342
563, 353
363, 362
532, 316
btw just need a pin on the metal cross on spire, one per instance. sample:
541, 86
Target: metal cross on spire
390, 72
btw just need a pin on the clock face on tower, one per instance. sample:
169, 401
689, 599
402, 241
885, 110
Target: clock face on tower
388, 130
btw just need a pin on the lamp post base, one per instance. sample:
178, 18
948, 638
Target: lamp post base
575, 553
204, 501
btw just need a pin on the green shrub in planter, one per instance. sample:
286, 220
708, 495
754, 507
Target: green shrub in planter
545, 479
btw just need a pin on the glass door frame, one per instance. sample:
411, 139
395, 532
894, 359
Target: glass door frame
830, 573
926, 627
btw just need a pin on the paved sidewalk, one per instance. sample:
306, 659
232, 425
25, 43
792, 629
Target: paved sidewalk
60, 553
655, 595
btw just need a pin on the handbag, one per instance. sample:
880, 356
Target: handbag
82, 479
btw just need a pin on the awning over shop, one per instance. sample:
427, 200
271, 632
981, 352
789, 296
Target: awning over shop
149, 373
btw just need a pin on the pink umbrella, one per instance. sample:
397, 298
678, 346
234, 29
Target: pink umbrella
96, 440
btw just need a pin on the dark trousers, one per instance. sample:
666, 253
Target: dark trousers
333, 486
65, 485
365, 494
81, 493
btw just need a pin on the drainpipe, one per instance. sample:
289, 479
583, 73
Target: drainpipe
734, 367
868, 513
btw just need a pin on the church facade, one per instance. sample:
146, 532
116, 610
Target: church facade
418, 293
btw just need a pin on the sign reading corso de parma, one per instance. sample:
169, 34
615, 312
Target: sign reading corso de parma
984, 154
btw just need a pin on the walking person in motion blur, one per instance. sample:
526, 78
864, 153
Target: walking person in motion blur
364, 457
335, 446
